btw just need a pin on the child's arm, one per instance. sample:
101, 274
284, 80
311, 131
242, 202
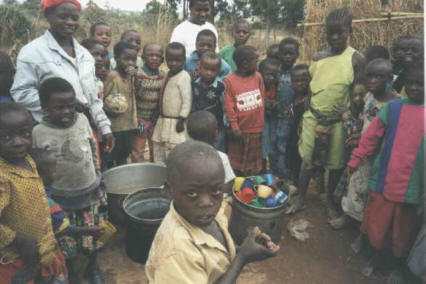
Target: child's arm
358, 63
26, 247
368, 144
230, 106
185, 92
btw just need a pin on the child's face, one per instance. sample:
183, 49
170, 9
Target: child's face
98, 53
273, 52
288, 55
414, 87
153, 56
102, 72
198, 194
103, 34
413, 51
175, 59
200, 12
337, 37
398, 50
241, 33
209, 70
250, 65
357, 95
133, 38
126, 59
47, 170
61, 108
270, 74
15, 136
6, 77
376, 78
205, 43
300, 80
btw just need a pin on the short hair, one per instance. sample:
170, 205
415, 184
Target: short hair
176, 46
381, 61
89, 43
121, 46
192, 2
299, 67
202, 126
376, 51
206, 33
126, 32
243, 52
6, 108
269, 61
210, 55
340, 16
149, 44
6, 61
269, 50
186, 153
240, 22
288, 41
41, 156
399, 41
51, 85
94, 26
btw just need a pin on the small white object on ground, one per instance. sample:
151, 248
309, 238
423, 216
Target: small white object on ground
297, 229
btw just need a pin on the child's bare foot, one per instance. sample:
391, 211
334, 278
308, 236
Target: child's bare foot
331, 212
397, 276
371, 265
356, 246
339, 222
297, 205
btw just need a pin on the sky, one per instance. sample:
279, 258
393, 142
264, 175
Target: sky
126, 5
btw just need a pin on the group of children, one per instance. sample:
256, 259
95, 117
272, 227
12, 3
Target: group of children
357, 116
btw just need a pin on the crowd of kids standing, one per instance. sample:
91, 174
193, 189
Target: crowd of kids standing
71, 110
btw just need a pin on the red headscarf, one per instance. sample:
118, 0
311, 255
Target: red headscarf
46, 4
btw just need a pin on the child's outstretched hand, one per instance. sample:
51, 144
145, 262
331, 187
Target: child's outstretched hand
27, 249
258, 246
180, 125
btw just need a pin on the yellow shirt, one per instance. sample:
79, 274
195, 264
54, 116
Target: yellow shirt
24, 208
184, 253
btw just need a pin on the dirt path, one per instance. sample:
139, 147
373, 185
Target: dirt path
325, 258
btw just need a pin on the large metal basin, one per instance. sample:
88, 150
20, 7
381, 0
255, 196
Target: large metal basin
123, 180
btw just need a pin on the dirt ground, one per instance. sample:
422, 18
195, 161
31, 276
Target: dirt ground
325, 258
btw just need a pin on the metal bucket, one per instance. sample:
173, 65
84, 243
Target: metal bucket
122, 180
244, 216
144, 209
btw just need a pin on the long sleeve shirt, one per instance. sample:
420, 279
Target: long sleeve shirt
397, 134
44, 58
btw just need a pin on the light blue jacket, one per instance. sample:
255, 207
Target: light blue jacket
191, 66
44, 58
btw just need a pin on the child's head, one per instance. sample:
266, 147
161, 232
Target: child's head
273, 51
125, 55
376, 51
196, 176
300, 79
269, 68
175, 57
200, 11
7, 71
414, 83
246, 57
133, 37
202, 126
288, 51
96, 49
206, 41
413, 51
378, 76
102, 32
210, 64
241, 32
338, 26
46, 164
15, 132
58, 101
398, 47
152, 55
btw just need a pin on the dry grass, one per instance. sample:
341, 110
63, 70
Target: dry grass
364, 34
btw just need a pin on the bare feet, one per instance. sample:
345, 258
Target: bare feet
396, 277
297, 205
356, 246
339, 222
371, 265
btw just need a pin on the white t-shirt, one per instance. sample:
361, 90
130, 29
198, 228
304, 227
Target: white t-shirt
229, 172
186, 33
